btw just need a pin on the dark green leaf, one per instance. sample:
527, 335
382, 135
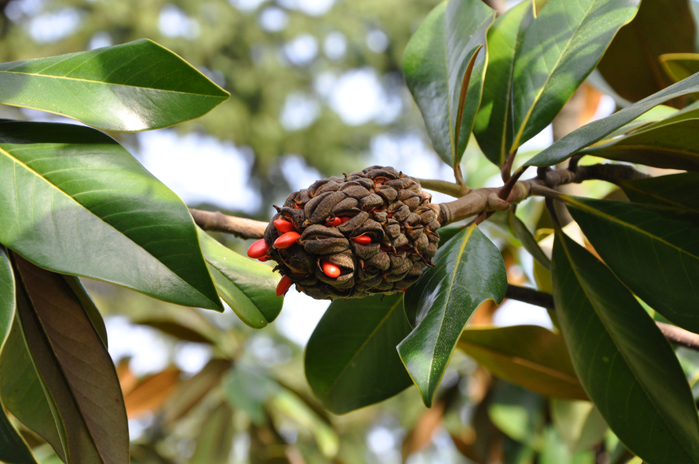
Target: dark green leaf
468, 271
443, 65
528, 240
592, 132
677, 190
680, 65
493, 127
13, 449
560, 48
131, 87
631, 64
249, 287
22, 392
7, 296
74, 367
527, 355
216, 437
625, 364
75, 202
654, 250
351, 358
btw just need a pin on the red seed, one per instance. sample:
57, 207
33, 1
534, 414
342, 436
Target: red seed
404, 290
283, 285
258, 249
330, 269
344, 219
386, 248
362, 239
286, 240
297, 207
263, 259
334, 223
283, 225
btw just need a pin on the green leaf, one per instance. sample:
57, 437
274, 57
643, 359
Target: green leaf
654, 250
676, 190
631, 64
468, 271
680, 65
560, 48
518, 413
248, 389
527, 355
74, 367
594, 131
528, 241
625, 364
131, 87
180, 322
578, 423
351, 358
444, 63
669, 143
22, 392
248, 286
13, 448
216, 437
493, 127
7, 296
75, 202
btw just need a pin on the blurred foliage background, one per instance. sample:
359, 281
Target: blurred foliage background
316, 89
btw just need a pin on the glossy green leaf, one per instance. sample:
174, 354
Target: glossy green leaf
22, 392
468, 271
351, 359
578, 423
75, 202
215, 438
528, 241
13, 448
7, 296
444, 63
559, 49
493, 126
530, 356
654, 250
74, 367
594, 131
680, 66
131, 87
631, 64
249, 287
669, 143
626, 366
676, 190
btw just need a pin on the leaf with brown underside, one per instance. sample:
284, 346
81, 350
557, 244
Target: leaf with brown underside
152, 393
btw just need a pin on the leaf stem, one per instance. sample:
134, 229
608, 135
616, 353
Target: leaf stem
445, 187
219, 222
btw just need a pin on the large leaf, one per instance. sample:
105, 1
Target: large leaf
468, 271
596, 130
351, 358
680, 65
22, 392
625, 364
7, 296
13, 449
654, 250
632, 62
131, 87
527, 355
560, 48
72, 200
443, 65
74, 367
670, 143
249, 287
493, 126
678, 190
528, 241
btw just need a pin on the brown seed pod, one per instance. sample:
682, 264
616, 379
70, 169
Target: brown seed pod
388, 210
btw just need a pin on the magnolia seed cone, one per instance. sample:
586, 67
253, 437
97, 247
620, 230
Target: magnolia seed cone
330, 216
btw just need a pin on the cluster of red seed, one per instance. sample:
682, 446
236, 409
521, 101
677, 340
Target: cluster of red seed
371, 232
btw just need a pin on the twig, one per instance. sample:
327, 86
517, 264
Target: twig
219, 222
674, 334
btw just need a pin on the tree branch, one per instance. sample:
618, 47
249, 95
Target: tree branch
674, 334
219, 222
